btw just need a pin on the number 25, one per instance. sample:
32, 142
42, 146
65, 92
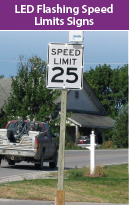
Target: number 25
61, 72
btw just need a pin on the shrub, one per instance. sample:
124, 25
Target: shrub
71, 145
120, 131
68, 139
107, 144
99, 171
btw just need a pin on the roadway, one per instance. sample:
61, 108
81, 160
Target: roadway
73, 158
30, 202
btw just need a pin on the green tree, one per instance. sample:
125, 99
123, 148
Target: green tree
120, 131
119, 86
110, 86
29, 96
3, 119
1, 76
2, 113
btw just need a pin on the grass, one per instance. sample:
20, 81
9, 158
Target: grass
112, 188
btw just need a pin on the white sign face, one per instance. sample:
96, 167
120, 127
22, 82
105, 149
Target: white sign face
65, 66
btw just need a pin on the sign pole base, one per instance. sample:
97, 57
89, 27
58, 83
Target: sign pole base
60, 197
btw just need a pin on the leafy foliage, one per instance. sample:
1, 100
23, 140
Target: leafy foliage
29, 96
98, 171
107, 144
120, 132
3, 119
110, 86
1, 76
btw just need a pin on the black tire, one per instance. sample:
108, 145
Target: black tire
40, 165
11, 162
54, 163
37, 166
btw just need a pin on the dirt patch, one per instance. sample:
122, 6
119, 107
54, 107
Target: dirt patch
92, 175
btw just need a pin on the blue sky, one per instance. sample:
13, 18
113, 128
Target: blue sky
110, 47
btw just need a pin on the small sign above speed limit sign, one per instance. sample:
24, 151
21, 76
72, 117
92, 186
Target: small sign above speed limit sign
65, 66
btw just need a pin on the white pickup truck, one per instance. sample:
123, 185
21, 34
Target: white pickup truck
28, 141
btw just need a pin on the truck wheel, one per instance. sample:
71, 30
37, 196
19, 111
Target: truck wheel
54, 163
40, 165
11, 162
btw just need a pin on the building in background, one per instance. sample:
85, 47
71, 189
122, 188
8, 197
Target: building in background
87, 111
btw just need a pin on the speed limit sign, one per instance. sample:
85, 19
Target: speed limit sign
65, 66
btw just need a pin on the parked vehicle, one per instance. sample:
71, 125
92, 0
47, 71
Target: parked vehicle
84, 142
28, 141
